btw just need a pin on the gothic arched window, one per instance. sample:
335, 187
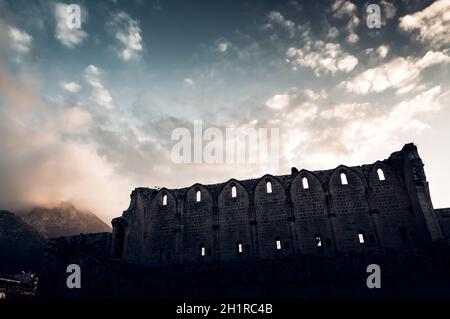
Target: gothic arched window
278, 243
361, 237
344, 179
305, 183
233, 191
269, 187
380, 174
240, 247
202, 251
318, 240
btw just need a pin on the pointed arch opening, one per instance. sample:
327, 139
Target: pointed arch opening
198, 196
202, 251
278, 244
240, 247
164, 200
233, 191
344, 180
380, 173
318, 240
269, 187
361, 238
305, 183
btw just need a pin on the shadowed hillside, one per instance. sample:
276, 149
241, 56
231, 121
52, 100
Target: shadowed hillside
21, 246
64, 220
23, 237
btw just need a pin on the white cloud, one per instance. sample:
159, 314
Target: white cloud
342, 8
92, 71
425, 102
368, 51
128, 32
397, 73
302, 113
99, 94
20, 40
352, 38
68, 37
76, 121
322, 58
382, 51
406, 89
347, 111
347, 63
353, 22
277, 17
278, 101
223, 46
298, 106
389, 10
348, 132
431, 25
362, 133
314, 96
333, 32
431, 58
189, 81
71, 87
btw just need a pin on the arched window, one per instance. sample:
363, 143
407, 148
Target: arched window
278, 244
344, 179
318, 240
164, 200
240, 247
233, 191
202, 251
361, 237
269, 187
198, 196
380, 174
305, 183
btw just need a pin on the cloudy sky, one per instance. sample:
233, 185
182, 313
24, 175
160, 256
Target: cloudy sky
86, 114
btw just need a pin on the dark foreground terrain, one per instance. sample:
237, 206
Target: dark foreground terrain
406, 274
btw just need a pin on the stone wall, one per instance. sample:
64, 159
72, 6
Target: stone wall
376, 207
444, 220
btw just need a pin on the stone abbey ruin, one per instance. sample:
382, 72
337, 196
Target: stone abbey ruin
302, 235
381, 206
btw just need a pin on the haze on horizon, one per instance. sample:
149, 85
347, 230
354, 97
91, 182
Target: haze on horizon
87, 114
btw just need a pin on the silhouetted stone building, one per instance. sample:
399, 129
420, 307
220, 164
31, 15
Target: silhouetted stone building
385, 206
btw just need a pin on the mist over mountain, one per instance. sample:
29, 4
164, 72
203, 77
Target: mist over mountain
64, 220
23, 236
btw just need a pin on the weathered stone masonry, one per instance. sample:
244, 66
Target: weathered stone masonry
381, 206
